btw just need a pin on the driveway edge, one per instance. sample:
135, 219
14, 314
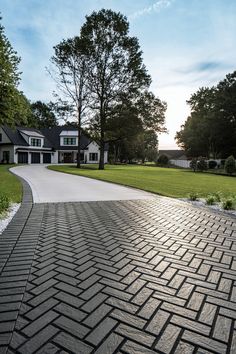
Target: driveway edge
17, 247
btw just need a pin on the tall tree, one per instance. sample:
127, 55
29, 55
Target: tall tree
70, 68
14, 107
210, 130
43, 115
115, 66
136, 122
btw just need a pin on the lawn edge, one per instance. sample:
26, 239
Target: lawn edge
49, 167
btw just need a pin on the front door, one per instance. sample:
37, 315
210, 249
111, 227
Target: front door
68, 157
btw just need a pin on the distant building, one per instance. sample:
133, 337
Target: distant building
173, 154
48, 145
176, 157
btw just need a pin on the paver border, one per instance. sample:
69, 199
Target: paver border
17, 224
17, 248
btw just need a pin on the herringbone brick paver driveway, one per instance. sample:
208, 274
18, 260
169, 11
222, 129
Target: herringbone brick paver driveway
148, 276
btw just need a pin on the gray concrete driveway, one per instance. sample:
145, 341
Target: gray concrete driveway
52, 187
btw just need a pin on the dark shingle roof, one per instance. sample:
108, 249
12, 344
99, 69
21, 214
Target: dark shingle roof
173, 154
52, 137
53, 134
17, 139
14, 136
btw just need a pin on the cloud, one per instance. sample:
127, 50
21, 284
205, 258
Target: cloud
156, 7
204, 66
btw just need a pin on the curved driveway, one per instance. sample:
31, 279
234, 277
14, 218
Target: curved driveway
52, 187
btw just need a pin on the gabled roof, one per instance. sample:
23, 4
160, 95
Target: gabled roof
31, 132
173, 154
17, 139
53, 134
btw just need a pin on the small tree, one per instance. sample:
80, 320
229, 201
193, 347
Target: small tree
230, 165
193, 164
202, 164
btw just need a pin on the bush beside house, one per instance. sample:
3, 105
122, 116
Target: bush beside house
230, 165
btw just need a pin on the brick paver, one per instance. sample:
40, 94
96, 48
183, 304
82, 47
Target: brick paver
147, 276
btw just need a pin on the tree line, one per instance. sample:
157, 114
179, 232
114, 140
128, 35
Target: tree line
102, 83
210, 130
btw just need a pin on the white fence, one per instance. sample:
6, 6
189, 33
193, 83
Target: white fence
186, 163
181, 163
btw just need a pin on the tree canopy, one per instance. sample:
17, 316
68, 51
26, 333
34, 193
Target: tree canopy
43, 115
116, 68
14, 106
210, 130
101, 73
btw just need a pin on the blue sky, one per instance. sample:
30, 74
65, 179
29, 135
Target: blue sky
186, 43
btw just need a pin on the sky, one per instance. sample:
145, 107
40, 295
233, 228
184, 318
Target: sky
186, 44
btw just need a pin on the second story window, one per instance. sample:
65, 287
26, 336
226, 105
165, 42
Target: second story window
69, 141
35, 142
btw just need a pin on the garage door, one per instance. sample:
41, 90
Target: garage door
46, 158
35, 157
22, 157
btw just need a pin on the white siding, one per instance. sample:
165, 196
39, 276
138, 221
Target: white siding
55, 157
9, 148
5, 138
93, 147
181, 163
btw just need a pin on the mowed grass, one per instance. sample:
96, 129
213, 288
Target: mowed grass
170, 182
10, 184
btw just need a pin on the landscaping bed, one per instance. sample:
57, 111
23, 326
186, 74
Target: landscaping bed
10, 195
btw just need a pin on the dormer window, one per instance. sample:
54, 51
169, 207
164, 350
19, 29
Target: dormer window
35, 142
69, 141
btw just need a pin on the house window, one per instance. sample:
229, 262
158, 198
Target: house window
0, 137
93, 156
69, 141
35, 142
5, 156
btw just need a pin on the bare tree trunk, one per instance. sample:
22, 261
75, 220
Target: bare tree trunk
101, 160
79, 139
102, 142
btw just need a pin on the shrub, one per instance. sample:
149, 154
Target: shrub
193, 164
193, 196
212, 164
228, 204
222, 163
4, 203
210, 199
202, 164
230, 166
218, 196
162, 160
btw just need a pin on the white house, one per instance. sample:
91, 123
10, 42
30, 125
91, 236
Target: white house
48, 145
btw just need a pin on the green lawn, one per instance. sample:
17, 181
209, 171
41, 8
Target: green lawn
165, 181
10, 184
